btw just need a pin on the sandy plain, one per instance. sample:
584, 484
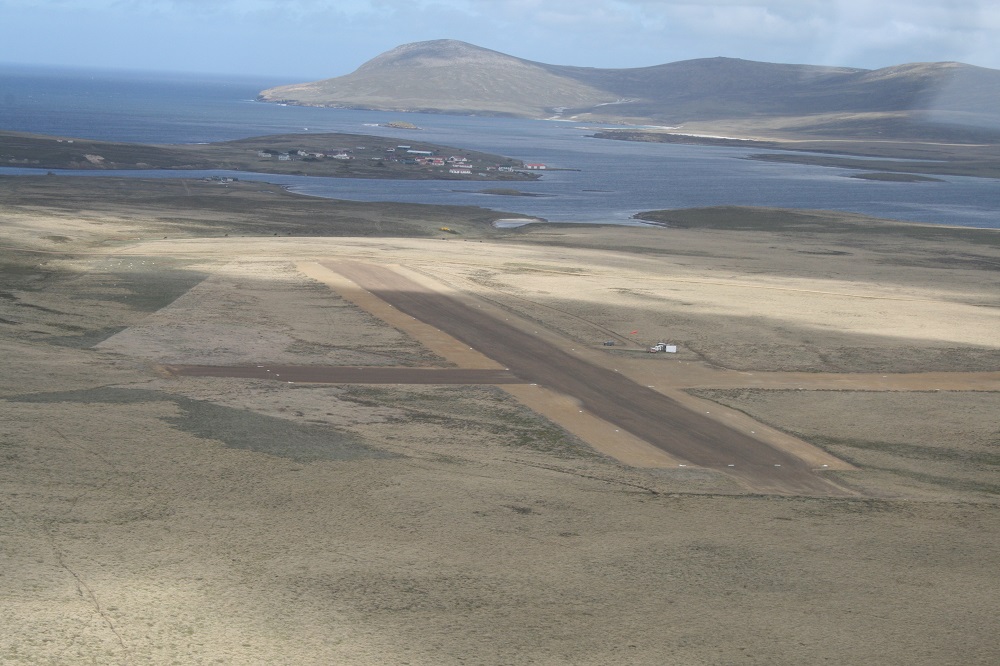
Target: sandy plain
151, 517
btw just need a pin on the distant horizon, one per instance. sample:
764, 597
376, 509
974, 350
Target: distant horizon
292, 78
303, 40
124, 71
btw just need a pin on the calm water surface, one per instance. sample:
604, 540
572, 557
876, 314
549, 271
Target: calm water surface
603, 181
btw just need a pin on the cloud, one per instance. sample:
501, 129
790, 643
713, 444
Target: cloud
332, 37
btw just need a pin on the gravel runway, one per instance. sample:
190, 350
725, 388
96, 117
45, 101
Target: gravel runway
645, 413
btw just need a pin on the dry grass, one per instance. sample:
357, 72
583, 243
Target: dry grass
150, 519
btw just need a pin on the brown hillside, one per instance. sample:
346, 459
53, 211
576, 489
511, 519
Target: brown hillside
447, 76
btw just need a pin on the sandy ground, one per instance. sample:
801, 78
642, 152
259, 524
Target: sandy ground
150, 518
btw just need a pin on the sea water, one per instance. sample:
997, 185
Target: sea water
588, 179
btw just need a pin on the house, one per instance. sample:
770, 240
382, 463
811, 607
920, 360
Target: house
534, 166
284, 157
460, 170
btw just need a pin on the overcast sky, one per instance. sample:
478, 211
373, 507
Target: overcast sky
298, 40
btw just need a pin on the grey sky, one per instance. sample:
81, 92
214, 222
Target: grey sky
298, 40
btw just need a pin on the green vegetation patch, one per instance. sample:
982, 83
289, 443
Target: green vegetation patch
236, 428
87, 339
330, 155
196, 208
151, 290
912, 451
981, 168
903, 442
507, 192
748, 218
475, 410
896, 177
52, 298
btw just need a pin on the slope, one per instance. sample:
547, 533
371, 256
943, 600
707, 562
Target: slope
958, 101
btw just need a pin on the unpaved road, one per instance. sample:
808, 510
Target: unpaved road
645, 413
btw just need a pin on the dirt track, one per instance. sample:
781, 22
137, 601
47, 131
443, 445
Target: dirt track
604, 393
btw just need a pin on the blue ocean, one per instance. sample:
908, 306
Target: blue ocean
589, 180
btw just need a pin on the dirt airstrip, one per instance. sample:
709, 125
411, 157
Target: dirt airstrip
370, 490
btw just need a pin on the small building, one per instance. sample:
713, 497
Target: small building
460, 170
534, 166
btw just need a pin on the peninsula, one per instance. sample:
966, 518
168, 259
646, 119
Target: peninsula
330, 155
727, 97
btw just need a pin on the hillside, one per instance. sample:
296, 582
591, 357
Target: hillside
449, 77
958, 101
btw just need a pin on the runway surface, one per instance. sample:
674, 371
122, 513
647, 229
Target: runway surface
647, 414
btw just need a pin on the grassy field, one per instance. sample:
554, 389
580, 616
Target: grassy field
843, 227
157, 519
978, 156
197, 208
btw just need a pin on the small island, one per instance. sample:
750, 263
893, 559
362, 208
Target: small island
896, 177
507, 192
400, 124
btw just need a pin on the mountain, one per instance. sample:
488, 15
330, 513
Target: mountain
447, 76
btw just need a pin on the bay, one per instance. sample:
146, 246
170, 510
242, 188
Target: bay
588, 180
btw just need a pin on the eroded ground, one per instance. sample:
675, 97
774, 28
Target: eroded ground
157, 518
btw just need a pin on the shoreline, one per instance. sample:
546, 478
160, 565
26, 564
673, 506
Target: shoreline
970, 160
